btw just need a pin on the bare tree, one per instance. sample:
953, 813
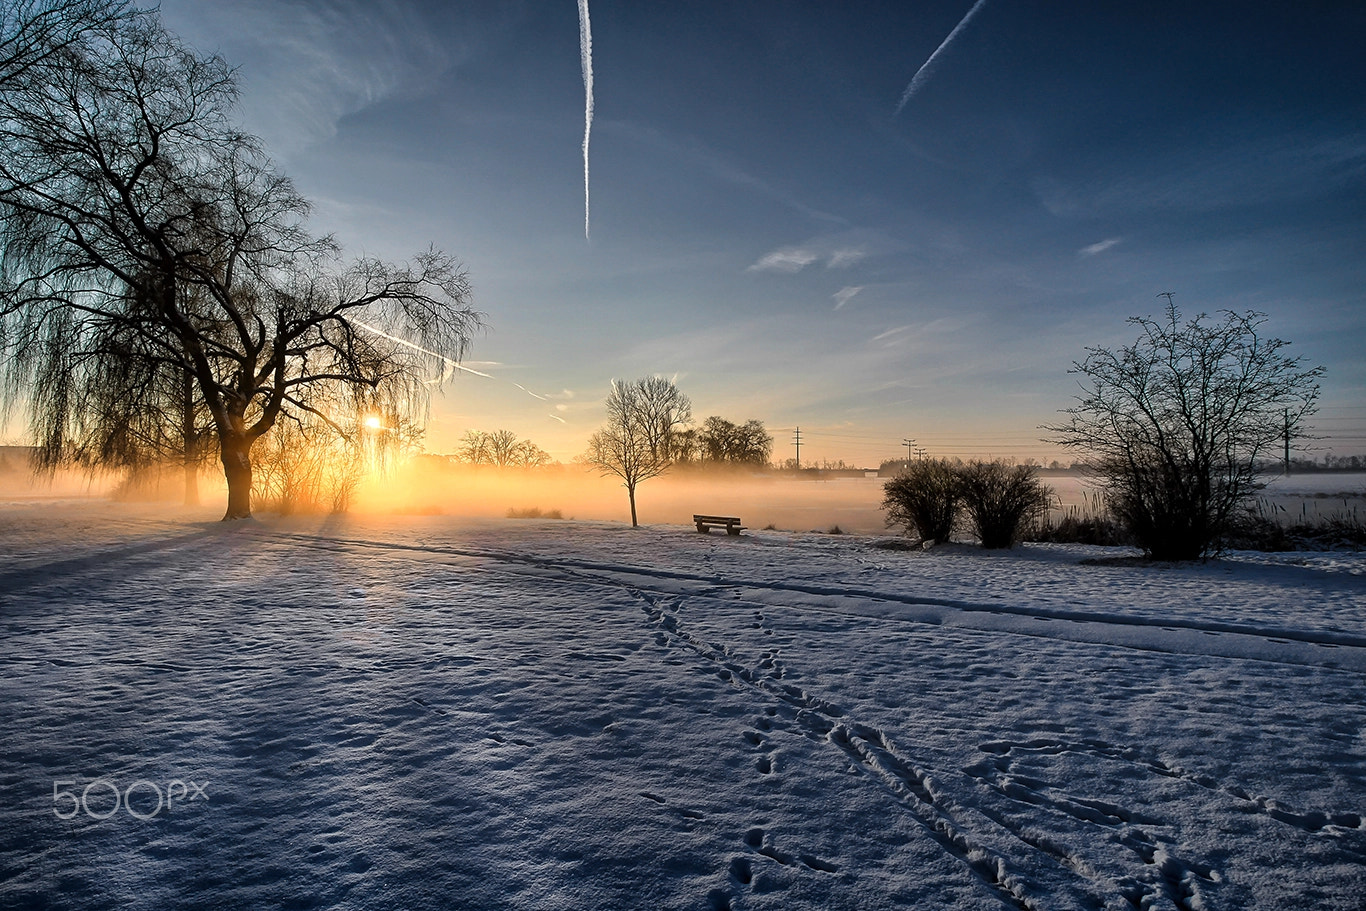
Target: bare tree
474, 448
724, 442
528, 455
34, 32
131, 208
644, 418
501, 448
1177, 422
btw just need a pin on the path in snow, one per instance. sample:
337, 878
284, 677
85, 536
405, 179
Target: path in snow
541, 715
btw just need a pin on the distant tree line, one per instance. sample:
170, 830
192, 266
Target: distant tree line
719, 442
1329, 462
500, 449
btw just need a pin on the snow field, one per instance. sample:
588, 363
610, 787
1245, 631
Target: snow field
433, 712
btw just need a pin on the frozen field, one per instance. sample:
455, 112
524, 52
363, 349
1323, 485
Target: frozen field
435, 712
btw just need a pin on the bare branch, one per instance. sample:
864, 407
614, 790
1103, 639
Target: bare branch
1180, 420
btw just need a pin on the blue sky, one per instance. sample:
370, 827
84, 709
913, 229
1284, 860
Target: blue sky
768, 228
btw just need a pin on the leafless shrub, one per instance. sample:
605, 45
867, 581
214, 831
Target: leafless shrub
534, 512
924, 499
999, 499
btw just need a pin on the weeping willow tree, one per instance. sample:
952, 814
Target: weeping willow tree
103, 399
156, 270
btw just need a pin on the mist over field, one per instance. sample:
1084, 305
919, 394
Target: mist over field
853, 504
760, 500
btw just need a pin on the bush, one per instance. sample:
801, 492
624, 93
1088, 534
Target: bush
1179, 421
999, 498
533, 513
924, 499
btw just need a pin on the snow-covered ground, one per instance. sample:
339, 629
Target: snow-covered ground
436, 712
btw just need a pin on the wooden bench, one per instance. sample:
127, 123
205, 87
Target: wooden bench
732, 523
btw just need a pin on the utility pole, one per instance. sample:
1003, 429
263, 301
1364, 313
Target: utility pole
798, 440
1287, 442
909, 443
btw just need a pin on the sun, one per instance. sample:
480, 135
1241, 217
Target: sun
373, 422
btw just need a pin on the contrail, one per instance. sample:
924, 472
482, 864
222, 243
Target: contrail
529, 392
586, 55
451, 365
923, 74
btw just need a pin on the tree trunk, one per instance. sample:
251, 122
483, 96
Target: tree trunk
631, 492
190, 438
236, 453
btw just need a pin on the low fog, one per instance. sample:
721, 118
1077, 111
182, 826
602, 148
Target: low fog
785, 503
817, 502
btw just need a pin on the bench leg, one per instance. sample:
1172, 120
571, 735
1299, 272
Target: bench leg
702, 529
733, 530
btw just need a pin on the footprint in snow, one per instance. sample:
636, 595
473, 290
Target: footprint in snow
685, 813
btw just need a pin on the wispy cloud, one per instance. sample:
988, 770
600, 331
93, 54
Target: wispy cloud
845, 257
307, 65
788, 259
846, 294
1098, 247
586, 59
926, 70
941, 335
795, 259
892, 333
451, 366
